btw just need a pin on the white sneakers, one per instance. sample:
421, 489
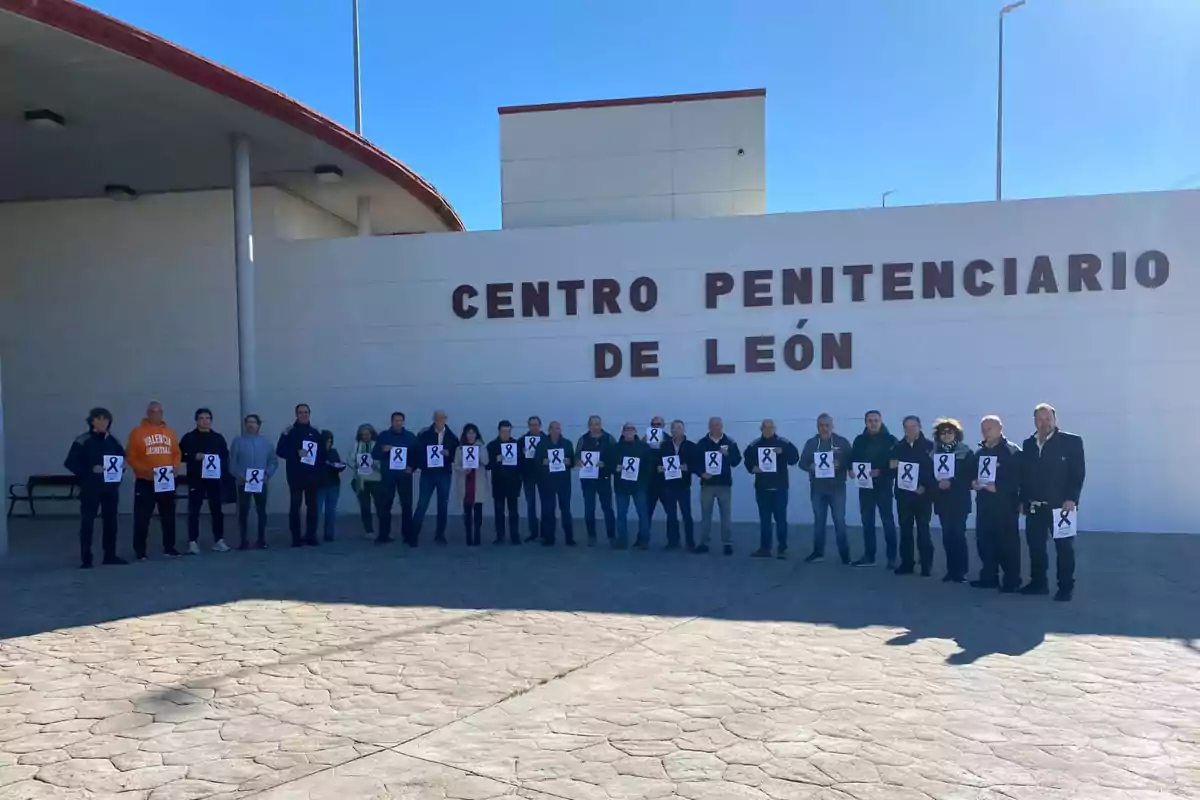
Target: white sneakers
193, 548
221, 547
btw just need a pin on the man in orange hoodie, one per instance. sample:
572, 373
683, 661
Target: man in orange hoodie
153, 446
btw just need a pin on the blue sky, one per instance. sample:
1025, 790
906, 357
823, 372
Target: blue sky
862, 95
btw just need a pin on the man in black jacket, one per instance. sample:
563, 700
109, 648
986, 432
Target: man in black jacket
436, 446
997, 508
530, 474
678, 452
874, 447
96, 459
654, 490
301, 449
205, 454
1052, 476
912, 461
591, 447
767, 458
719, 456
396, 451
505, 456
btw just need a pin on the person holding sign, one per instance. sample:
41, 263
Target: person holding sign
717, 456
871, 471
767, 458
152, 446
1052, 473
595, 478
504, 459
436, 447
301, 450
470, 482
555, 455
395, 452
97, 461
329, 490
253, 462
911, 458
997, 508
654, 436
952, 461
678, 458
825, 458
206, 457
530, 473
630, 458
365, 482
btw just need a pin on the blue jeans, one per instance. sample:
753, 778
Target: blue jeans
327, 503
823, 504
556, 492
432, 481
600, 488
643, 513
529, 485
772, 506
677, 500
870, 501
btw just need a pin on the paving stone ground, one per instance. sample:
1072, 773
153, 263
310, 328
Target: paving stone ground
351, 671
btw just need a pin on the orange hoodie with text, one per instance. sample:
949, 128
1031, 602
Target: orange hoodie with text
151, 446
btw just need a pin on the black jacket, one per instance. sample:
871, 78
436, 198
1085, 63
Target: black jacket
689, 456
955, 501
875, 448
506, 480
543, 454
429, 438
920, 452
87, 452
622, 450
1055, 474
786, 454
196, 443
840, 447
529, 462
331, 475
299, 474
596, 444
405, 438
732, 458
1009, 468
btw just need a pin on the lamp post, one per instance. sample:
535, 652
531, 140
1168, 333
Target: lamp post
883, 198
1000, 98
358, 128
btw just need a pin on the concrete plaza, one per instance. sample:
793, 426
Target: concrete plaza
351, 671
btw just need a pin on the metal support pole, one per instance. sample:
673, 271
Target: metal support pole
243, 235
1000, 113
364, 216
358, 128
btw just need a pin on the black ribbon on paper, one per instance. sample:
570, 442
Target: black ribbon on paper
652, 435
212, 462
862, 472
112, 465
671, 463
310, 447
630, 463
1064, 518
162, 474
712, 459
824, 458
364, 460
254, 477
433, 452
908, 472
508, 451
768, 455
468, 455
555, 456
942, 459
987, 468
587, 459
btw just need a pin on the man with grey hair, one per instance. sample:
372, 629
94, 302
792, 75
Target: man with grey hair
677, 460
826, 459
997, 509
435, 458
718, 456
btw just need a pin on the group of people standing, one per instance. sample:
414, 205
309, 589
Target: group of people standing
1041, 479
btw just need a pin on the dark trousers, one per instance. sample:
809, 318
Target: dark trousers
473, 522
93, 503
386, 491
871, 501
556, 493
529, 485
259, 499
364, 505
918, 512
198, 493
1037, 533
503, 499
998, 541
954, 542
772, 506
432, 481
598, 489
677, 500
654, 497
307, 495
145, 501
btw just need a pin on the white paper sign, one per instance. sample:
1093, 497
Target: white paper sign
907, 475
654, 437
210, 466
672, 470
556, 459
861, 470
714, 462
308, 453
508, 454
255, 479
470, 456
987, 470
1066, 523
531, 443
630, 466
114, 468
433, 456
943, 466
164, 479
362, 463
823, 464
398, 458
589, 464
767, 458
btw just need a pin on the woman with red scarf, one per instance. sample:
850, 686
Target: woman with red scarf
470, 481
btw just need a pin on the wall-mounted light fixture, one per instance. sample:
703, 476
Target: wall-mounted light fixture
45, 119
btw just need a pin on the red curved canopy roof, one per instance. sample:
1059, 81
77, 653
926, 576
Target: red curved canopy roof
112, 34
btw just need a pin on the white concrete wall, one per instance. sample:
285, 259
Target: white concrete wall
633, 163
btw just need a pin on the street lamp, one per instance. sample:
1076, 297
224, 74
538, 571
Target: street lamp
1000, 98
883, 198
357, 84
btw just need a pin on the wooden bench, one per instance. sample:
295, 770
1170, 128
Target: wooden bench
26, 492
